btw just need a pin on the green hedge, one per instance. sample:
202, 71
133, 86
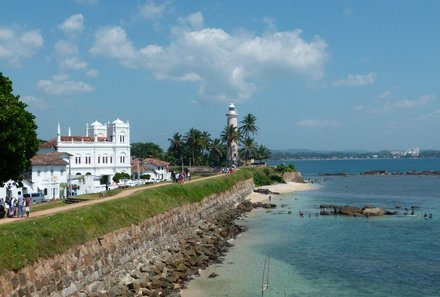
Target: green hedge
25, 242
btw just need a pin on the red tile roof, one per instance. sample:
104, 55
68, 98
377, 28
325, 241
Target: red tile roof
155, 162
49, 159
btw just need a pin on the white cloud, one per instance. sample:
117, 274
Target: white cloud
317, 124
225, 66
356, 80
72, 25
389, 106
384, 95
92, 73
421, 101
152, 11
16, 45
87, 2
195, 20
67, 56
35, 102
61, 85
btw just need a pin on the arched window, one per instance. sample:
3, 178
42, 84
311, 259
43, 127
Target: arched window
88, 159
78, 159
122, 158
122, 137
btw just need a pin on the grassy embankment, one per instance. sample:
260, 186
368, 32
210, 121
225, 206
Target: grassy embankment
24, 242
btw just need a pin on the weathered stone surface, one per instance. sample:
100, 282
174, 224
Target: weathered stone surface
181, 238
374, 211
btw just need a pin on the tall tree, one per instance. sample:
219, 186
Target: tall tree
217, 152
248, 149
230, 135
18, 136
249, 126
175, 150
262, 153
147, 149
196, 141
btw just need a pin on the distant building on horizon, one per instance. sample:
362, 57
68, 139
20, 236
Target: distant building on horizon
232, 119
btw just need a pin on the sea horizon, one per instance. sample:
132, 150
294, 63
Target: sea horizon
338, 256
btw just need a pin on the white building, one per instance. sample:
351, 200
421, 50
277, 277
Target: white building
232, 120
103, 151
157, 169
50, 173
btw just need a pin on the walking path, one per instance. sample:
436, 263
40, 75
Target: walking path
67, 207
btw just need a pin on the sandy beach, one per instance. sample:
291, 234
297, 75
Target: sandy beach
289, 187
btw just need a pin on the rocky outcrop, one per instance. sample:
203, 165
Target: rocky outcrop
167, 272
294, 176
366, 211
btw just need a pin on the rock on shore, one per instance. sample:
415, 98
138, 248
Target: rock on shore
167, 272
347, 210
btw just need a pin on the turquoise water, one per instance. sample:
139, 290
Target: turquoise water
339, 256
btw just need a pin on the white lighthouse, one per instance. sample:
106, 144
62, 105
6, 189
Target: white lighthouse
232, 120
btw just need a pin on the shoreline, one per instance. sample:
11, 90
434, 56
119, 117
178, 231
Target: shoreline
289, 187
254, 197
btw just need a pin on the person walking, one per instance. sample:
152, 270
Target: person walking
20, 203
27, 204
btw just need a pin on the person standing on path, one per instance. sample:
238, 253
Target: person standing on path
27, 204
20, 202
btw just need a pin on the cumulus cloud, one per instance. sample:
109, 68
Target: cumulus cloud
92, 72
72, 25
195, 20
35, 102
315, 123
225, 66
356, 80
389, 106
62, 85
16, 45
152, 11
67, 54
384, 95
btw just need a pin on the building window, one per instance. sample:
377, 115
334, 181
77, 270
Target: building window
88, 159
99, 159
121, 138
122, 159
78, 160
111, 161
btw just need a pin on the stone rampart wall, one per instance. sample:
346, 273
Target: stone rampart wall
94, 266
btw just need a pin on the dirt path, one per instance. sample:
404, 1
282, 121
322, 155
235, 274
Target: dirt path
67, 207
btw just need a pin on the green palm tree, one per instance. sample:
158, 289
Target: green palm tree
249, 126
217, 152
262, 153
248, 149
193, 140
176, 147
230, 135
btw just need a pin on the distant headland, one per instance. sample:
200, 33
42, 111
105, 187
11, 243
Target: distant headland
290, 154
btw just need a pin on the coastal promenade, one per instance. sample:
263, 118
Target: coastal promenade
67, 207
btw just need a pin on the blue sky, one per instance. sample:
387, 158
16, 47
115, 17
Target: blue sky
323, 75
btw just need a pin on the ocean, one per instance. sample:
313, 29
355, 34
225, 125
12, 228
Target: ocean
335, 255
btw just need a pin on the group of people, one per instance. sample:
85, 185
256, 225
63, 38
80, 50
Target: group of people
15, 206
426, 216
181, 177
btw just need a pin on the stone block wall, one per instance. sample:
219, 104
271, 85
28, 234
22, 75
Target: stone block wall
95, 265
